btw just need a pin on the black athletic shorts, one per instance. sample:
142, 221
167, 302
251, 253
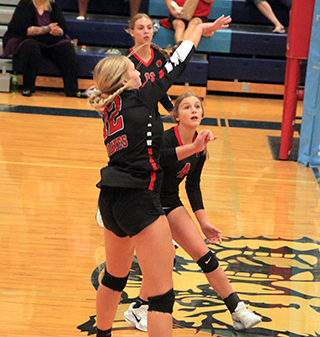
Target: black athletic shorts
169, 209
127, 211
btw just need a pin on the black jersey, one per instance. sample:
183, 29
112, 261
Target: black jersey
151, 70
175, 171
133, 129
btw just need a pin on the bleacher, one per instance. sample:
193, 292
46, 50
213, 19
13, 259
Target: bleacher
247, 57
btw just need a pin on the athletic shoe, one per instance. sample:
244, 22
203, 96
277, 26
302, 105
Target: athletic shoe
243, 318
26, 93
137, 316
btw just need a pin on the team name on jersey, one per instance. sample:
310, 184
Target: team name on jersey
113, 123
117, 144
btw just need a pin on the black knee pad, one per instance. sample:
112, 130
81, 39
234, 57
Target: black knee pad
208, 262
162, 303
114, 283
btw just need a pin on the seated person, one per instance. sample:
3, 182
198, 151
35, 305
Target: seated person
181, 26
265, 8
37, 29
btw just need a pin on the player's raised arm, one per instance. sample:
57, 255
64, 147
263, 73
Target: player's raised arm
208, 29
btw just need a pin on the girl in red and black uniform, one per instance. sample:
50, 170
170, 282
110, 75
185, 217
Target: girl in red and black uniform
148, 58
188, 113
129, 201
177, 165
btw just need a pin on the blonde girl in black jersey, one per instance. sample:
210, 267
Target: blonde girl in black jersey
188, 113
129, 199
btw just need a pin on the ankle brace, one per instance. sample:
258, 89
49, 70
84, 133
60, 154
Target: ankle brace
231, 302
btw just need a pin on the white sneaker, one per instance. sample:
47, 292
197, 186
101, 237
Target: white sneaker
243, 318
80, 17
137, 316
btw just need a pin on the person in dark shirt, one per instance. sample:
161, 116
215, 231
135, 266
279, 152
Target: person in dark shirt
177, 166
38, 28
129, 200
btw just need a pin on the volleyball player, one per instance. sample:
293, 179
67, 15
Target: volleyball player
129, 199
148, 58
188, 113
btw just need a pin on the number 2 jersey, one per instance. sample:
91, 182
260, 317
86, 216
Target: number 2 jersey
133, 129
176, 171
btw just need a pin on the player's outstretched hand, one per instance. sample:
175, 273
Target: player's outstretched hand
208, 28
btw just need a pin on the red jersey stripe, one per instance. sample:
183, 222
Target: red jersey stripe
153, 173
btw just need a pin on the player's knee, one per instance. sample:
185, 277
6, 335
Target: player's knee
208, 262
114, 283
162, 303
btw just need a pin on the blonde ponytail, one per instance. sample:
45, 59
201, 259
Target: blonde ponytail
109, 75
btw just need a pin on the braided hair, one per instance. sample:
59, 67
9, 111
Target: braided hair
109, 75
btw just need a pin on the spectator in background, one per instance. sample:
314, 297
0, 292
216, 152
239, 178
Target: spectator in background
83, 7
181, 26
265, 8
38, 28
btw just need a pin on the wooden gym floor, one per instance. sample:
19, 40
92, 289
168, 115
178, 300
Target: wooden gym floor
51, 249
